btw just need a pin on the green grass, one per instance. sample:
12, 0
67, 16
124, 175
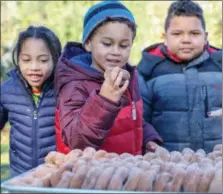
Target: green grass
4, 148
5, 154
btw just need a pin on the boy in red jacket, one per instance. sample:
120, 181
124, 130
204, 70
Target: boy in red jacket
99, 102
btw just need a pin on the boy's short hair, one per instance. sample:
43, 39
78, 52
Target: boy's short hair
184, 8
106, 11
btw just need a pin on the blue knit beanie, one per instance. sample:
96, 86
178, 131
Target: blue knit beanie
99, 12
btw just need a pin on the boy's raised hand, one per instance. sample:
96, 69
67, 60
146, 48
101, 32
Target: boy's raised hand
115, 84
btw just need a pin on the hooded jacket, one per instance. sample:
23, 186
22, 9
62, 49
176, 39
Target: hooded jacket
32, 129
177, 97
85, 118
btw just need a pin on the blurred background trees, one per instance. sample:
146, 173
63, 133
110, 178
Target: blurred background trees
65, 18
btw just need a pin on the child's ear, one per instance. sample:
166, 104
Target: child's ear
88, 46
206, 37
164, 38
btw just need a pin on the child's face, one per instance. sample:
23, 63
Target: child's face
185, 37
110, 45
35, 62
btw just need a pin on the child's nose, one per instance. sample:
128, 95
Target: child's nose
34, 65
186, 38
115, 50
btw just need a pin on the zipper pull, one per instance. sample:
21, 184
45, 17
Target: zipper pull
37, 104
204, 96
133, 111
204, 92
35, 114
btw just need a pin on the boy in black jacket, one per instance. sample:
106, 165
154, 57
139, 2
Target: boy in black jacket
181, 82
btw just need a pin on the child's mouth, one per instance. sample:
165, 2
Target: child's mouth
186, 50
34, 77
115, 61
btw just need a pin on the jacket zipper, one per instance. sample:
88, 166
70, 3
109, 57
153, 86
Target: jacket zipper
25, 86
134, 115
34, 126
35, 123
131, 100
134, 111
35, 116
204, 92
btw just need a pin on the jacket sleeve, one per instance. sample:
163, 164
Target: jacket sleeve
3, 116
217, 58
85, 119
146, 93
149, 133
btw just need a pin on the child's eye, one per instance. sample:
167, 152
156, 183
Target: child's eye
25, 60
124, 46
44, 61
106, 44
176, 34
195, 33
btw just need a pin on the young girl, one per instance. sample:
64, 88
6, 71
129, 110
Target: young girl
181, 82
27, 98
99, 103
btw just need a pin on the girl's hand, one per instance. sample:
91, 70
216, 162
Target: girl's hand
216, 113
115, 84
